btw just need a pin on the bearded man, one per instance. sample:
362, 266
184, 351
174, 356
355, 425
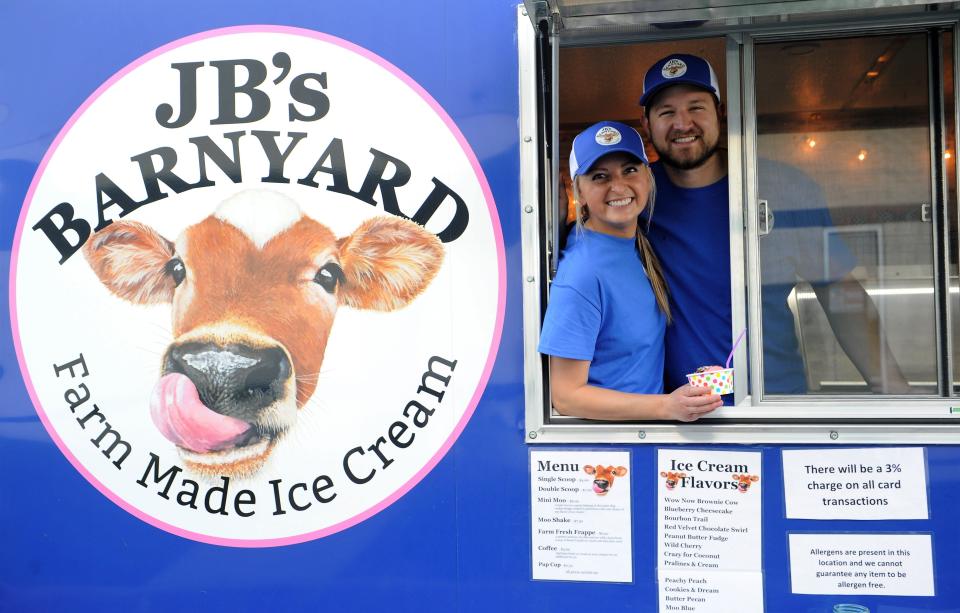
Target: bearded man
690, 234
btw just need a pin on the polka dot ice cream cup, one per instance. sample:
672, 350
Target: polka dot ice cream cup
719, 381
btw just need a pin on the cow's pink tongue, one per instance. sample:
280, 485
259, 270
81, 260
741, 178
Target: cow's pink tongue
183, 419
597, 488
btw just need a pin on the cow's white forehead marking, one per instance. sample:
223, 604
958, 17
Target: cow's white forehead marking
259, 214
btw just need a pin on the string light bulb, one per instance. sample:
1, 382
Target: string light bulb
862, 155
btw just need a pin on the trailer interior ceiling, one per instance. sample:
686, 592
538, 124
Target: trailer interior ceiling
859, 99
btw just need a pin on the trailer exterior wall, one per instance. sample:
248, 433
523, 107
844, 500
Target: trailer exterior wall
459, 540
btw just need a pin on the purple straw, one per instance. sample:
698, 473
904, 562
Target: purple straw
736, 343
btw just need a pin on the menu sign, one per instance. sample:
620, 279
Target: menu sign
580, 511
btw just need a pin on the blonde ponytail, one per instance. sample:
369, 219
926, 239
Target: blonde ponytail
654, 273
650, 260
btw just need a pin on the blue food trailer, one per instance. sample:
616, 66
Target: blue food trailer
276, 276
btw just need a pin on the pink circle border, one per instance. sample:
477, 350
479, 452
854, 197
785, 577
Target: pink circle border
491, 355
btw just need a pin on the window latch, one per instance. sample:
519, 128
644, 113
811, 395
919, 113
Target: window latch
926, 212
765, 218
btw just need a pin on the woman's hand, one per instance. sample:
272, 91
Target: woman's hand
690, 403
573, 396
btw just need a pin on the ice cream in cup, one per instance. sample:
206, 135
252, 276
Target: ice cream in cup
717, 378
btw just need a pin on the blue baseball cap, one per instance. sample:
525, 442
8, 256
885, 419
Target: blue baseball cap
600, 139
679, 68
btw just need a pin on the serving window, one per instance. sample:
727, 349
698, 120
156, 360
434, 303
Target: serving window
840, 132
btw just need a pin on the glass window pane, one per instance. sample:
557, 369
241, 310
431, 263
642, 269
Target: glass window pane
843, 135
950, 171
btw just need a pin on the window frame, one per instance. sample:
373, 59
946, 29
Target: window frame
806, 419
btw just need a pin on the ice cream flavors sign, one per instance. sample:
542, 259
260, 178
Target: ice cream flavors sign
257, 286
709, 530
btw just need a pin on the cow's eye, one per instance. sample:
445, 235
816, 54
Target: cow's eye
177, 270
329, 276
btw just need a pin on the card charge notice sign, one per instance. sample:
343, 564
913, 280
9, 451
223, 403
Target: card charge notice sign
866, 483
580, 512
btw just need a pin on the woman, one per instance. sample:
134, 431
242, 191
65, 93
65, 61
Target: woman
608, 306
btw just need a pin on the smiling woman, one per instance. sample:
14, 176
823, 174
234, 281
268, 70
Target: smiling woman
608, 307
609, 194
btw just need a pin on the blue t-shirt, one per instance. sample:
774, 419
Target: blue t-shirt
690, 233
690, 236
602, 309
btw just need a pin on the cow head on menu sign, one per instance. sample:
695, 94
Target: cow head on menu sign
604, 476
744, 481
672, 478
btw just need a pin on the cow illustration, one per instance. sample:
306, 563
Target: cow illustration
744, 481
254, 289
672, 478
603, 477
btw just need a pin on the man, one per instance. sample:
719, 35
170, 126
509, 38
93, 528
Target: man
689, 231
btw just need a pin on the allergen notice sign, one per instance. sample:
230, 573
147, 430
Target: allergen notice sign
580, 512
878, 564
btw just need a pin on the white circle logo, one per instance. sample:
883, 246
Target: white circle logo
674, 68
608, 135
252, 304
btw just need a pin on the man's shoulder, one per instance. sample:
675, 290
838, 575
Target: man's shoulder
781, 174
788, 188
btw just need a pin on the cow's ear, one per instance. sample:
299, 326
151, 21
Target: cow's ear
589, 469
735, 477
131, 259
754, 478
663, 474
387, 262
620, 471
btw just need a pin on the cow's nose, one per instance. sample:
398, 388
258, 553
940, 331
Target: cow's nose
234, 379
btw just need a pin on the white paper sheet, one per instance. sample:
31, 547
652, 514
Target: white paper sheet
709, 538
867, 483
880, 564
580, 511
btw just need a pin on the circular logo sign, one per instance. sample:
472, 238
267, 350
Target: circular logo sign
257, 286
674, 68
607, 135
